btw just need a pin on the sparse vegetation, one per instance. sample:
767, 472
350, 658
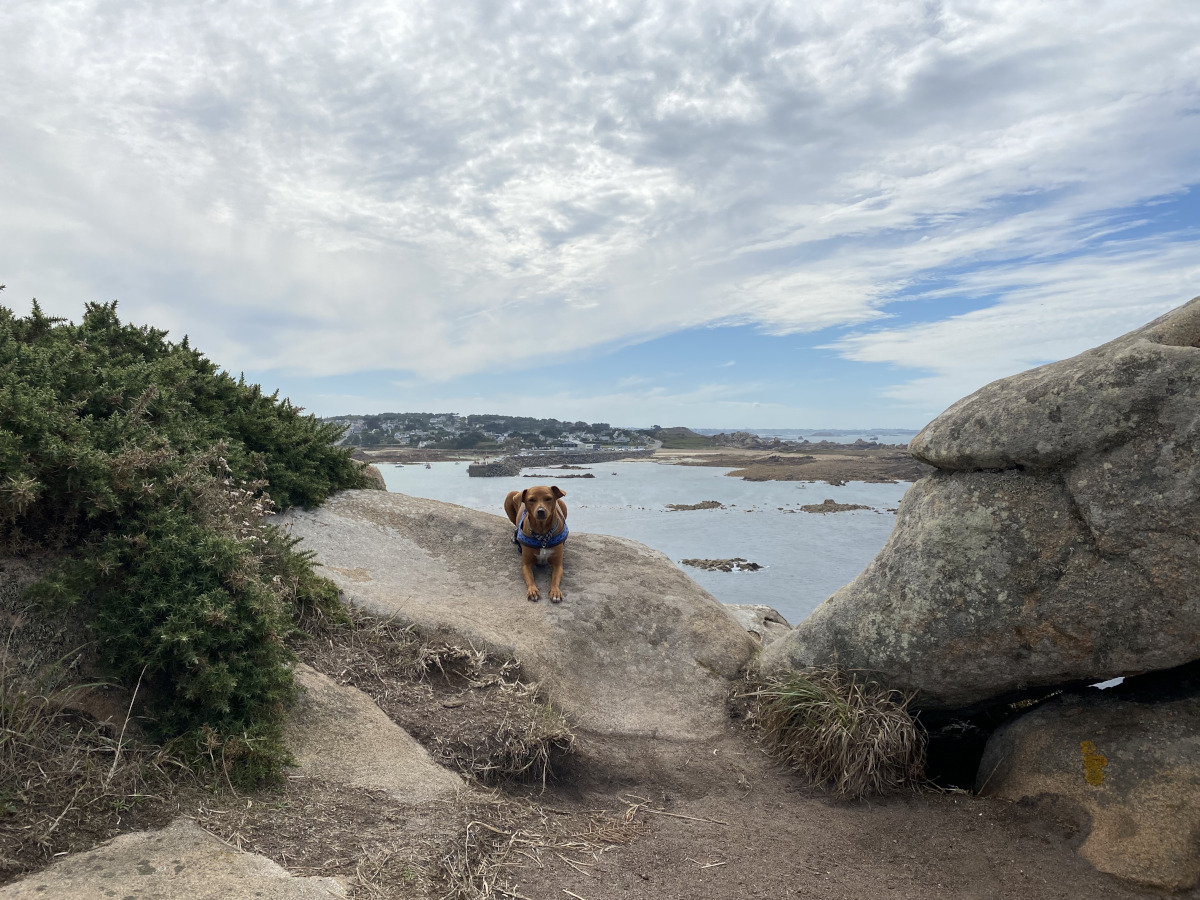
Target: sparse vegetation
853, 736
156, 472
65, 781
472, 710
493, 848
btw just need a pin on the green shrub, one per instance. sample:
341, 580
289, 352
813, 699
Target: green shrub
158, 472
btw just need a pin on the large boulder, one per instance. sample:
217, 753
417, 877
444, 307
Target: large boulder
1132, 769
636, 648
180, 862
1057, 543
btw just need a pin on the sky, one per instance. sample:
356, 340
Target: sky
722, 215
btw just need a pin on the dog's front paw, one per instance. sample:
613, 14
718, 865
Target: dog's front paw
555, 595
532, 595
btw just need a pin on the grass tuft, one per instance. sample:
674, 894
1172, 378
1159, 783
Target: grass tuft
852, 736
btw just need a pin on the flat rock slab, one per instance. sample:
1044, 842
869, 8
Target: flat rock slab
180, 862
636, 648
1132, 768
339, 734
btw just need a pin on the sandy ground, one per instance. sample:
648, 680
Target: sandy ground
752, 830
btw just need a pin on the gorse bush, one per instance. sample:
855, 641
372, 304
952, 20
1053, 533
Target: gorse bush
157, 472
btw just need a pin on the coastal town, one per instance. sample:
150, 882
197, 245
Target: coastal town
494, 433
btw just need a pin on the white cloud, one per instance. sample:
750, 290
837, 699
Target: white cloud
328, 188
1050, 312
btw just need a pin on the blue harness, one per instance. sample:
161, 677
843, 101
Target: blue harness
539, 543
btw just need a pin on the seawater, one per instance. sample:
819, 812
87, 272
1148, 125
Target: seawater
808, 556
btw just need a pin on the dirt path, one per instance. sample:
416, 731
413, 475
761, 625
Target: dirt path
724, 822
637, 818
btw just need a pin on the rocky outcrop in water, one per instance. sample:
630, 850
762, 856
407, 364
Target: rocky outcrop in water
508, 467
832, 506
736, 564
1057, 543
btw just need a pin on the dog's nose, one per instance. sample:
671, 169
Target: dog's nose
541, 513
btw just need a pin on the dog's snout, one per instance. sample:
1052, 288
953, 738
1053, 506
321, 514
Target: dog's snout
541, 513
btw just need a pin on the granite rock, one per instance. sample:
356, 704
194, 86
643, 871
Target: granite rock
1058, 543
1132, 770
637, 648
180, 862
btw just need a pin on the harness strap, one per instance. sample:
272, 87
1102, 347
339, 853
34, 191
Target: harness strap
541, 543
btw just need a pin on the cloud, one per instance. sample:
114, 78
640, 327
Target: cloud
1050, 312
454, 188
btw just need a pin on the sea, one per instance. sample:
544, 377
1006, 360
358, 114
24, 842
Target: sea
806, 556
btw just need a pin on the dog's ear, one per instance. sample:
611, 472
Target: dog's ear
554, 489
523, 493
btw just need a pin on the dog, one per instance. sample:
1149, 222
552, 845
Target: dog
539, 518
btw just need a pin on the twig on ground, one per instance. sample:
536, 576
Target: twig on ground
643, 805
124, 725
576, 867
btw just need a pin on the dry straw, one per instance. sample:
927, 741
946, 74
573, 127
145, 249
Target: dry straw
64, 780
851, 735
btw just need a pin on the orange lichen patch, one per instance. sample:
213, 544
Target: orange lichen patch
1093, 763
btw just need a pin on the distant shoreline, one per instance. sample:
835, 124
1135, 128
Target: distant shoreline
833, 464
826, 462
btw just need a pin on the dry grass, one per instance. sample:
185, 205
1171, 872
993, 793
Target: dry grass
854, 737
67, 782
471, 709
507, 837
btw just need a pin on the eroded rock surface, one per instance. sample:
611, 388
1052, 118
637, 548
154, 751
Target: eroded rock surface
1058, 543
636, 648
1132, 768
180, 862
339, 734
764, 623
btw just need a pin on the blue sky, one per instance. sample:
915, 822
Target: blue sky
760, 214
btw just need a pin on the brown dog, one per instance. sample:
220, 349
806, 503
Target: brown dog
540, 518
